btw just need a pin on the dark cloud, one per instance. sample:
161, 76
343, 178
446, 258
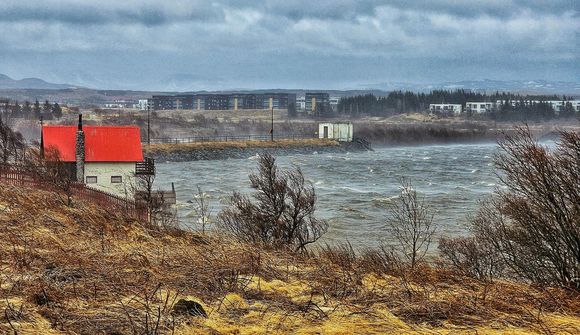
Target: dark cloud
150, 12
333, 40
80, 12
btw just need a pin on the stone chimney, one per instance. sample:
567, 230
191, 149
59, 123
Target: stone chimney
80, 151
41, 137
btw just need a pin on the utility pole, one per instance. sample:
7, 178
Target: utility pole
272, 129
148, 125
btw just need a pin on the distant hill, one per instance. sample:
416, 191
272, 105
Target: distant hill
30, 83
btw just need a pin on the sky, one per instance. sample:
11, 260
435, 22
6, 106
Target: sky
340, 44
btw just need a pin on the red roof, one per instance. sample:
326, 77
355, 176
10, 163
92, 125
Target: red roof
102, 143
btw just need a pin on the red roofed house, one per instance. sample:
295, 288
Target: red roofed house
103, 157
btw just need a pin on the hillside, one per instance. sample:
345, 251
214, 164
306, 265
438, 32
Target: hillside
29, 83
83, 270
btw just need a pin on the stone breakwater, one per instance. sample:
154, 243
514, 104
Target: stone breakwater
186, 153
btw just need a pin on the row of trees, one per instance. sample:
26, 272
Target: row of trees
399, 102
32, 111
524, 110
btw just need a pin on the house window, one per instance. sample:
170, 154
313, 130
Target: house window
116, 179
91, 179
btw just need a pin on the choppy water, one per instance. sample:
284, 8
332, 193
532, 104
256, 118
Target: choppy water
353, 188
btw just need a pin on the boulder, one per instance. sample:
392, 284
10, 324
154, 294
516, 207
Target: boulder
189, 307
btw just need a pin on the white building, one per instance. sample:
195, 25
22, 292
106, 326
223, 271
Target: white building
478, 107
333, 101
559, 105
120, 104
446, 108
141, 104
301, 103
575, 104
106, 158
340, 131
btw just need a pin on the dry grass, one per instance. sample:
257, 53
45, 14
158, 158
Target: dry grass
83, 270
172, 147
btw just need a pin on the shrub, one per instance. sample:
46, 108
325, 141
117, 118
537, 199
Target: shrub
282, 213
410, 221
534, 223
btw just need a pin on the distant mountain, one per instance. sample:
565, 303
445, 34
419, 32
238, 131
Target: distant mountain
487, 85
30, 83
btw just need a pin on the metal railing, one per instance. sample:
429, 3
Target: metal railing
146, 167
231, 138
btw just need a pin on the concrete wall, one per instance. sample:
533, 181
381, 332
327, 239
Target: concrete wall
104, 172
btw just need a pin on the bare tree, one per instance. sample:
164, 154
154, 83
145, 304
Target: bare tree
49, 169
536, 225
299, 226
283, 211
533, 224
410, 221
202, 209
12, 144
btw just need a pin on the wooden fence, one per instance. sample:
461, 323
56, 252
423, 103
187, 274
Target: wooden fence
12, 176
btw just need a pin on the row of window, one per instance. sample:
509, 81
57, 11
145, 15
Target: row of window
114, 179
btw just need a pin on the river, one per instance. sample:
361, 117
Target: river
354, 188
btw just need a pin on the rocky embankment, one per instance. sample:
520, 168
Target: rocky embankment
241, 150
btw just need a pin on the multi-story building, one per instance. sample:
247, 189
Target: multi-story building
316, 100
446, 108
234, 101
169, 102
301, 103
478, 107
333, 101
142, 104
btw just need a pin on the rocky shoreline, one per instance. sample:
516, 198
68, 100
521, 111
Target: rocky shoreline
196, 154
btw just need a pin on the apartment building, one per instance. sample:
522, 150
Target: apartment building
232, 101
478, 107
446, 108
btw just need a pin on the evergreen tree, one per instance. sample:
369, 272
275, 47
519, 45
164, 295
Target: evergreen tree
37, 110
46, 108
56, 110
16, 110
27, 110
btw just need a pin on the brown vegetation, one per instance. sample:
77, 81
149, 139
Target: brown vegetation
83, 270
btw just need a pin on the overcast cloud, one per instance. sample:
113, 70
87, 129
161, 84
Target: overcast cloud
192, 45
